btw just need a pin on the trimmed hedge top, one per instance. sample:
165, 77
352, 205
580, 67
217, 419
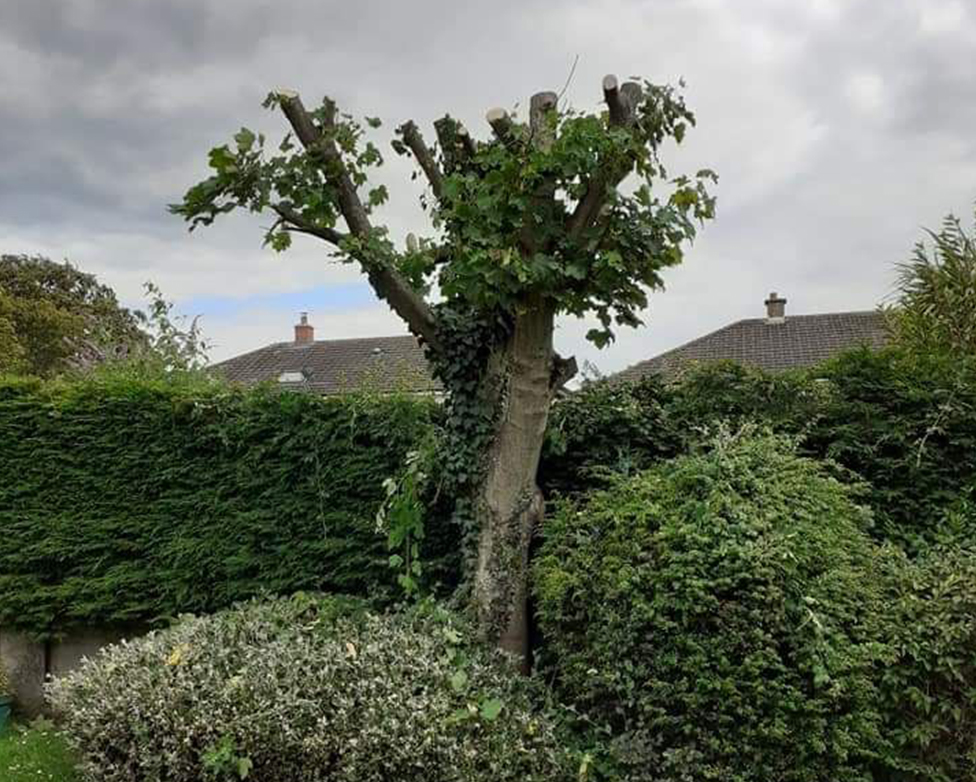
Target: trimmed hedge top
129, 500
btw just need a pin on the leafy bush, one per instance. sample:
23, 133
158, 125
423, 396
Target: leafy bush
904, 423
131, 499
929, 690
307, 689
606, 430
907, 425
719, 614
609, 429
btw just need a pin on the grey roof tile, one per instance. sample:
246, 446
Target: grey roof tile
797, 341
334, 366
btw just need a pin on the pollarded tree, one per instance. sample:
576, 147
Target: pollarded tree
527, 225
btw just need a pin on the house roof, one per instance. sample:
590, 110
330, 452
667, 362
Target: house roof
334, 366
771, 344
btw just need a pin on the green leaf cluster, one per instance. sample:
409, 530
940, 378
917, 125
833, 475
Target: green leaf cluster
506, 242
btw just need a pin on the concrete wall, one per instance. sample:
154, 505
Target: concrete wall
26, 664
29, 663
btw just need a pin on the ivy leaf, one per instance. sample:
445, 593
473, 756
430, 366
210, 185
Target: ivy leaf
458, 680
244, 766
490, 709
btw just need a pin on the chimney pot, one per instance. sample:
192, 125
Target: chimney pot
304, 333
775, 308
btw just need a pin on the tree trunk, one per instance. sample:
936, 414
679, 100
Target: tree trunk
510, 505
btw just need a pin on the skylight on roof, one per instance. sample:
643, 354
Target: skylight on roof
291, 377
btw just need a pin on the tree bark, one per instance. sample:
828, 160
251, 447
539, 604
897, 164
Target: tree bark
510, 506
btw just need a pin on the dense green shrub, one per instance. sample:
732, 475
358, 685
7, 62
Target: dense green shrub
609, 428
606, 430
929, 689
126, 499
905, 424
720, 614
299, 689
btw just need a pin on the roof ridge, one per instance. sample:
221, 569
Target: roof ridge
788, 318
354, 339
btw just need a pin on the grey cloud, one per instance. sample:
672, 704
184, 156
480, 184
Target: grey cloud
114, 105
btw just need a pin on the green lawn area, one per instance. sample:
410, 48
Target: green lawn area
35, 752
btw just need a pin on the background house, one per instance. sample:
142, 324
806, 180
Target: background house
774, 343
335, 366
386, 364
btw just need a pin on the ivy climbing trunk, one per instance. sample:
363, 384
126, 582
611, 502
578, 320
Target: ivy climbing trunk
510, 505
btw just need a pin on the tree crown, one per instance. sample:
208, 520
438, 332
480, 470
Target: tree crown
533, 212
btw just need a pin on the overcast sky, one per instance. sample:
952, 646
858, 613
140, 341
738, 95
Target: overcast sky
838, 128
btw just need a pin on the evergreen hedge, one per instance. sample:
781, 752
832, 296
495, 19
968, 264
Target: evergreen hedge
904, 424
130, 500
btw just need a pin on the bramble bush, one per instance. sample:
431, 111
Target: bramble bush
308, 688
719, 615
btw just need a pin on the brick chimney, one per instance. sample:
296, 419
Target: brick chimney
304, 333
775, 308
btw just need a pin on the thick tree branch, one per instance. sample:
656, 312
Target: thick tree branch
446, 130
543, 135
502, 124
468, 146
319, 143
611, 94
421, 152
540, 107
623, 102
563, 370
632, 94
388, 284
